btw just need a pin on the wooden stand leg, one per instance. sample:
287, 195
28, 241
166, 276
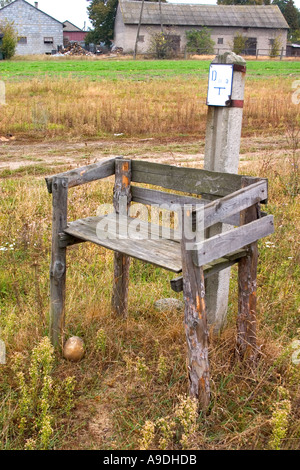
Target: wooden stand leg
246, 321
195, 327
121, 262
120, 287
247, 274
58, 259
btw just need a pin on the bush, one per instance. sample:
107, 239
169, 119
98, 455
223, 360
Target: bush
164, 45
199, 41
9, 41
275, 47
239, 43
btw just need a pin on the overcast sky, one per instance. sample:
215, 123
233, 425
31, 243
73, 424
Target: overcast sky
75, 10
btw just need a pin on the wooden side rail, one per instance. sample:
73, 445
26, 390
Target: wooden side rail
227, 206
215, 247
85, 174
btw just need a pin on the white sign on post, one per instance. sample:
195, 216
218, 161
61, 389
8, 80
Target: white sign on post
219, 85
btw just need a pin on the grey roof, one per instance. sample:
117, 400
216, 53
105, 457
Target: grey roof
70, 27
246, 16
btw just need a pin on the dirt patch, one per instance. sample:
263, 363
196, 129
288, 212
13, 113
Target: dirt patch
185, 151
96, 430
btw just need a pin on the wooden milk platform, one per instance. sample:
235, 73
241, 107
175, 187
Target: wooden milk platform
229, 198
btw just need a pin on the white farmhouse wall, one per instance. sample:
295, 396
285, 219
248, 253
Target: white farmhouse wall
34, 25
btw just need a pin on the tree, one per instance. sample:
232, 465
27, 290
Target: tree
102, 14
199, 41
244, 2
291, 14
9, 40
4, 2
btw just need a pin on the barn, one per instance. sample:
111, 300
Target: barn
260, 24
72, 33
38, 32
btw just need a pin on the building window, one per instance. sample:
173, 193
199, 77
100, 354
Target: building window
141, 38
22, 40
48, 40
220, 40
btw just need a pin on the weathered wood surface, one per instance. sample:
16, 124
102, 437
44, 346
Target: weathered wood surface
65, 240
58, 259
246, 345
111, 232
154, 197
122, 199
188, 180
85, 174
212, 268
220, 209
226, 242
195, 326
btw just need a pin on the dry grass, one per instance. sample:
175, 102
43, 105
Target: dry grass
134, 370
70, 107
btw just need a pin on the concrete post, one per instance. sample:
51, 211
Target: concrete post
222, 148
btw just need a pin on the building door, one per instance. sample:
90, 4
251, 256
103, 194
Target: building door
174, 43
251, 45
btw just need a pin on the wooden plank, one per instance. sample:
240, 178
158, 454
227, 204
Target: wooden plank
111, 232
58, 260
85, 174
220, 209
153, 197
121, 198
189, 180
226, 242
195, 323
65, 240
246, 343
213, 268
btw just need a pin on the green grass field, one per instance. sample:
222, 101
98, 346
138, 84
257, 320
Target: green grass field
137, 70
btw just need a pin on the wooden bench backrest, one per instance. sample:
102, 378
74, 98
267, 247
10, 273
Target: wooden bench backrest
193, 181
187, 180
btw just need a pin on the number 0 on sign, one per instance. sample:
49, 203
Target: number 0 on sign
219, 85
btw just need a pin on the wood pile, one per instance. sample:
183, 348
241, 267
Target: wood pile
75, 49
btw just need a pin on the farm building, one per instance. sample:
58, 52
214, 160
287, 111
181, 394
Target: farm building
38, 32
293, 50
72, 33
260, 24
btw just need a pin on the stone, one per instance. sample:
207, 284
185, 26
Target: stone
74, 349
164, 305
